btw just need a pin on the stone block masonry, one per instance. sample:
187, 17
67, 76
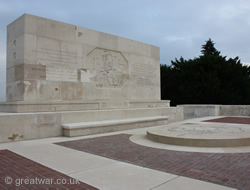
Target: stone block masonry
49, 60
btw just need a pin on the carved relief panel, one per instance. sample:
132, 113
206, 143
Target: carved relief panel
110, 68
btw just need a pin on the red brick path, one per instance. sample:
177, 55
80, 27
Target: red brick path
238, 120
232, 170
20, 169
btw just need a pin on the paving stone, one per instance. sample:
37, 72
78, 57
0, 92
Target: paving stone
228, 169
22, 173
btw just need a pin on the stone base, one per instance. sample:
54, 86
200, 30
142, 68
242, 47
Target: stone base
24, 126
55, 106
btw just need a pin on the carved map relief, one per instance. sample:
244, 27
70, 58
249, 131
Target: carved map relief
111, 68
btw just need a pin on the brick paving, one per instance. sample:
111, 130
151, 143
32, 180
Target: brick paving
238, 120
22, 171
228, 169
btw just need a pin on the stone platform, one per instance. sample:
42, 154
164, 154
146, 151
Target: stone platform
203, 135
33, 125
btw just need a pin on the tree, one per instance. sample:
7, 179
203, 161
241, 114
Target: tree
209, 49
208, 79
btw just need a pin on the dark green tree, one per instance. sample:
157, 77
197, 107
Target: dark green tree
208, 79
209, 49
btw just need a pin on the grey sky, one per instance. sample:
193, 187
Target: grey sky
178, 27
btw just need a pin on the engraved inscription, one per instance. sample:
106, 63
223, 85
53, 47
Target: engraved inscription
144, 81
57, 56
56, 73
62, 107
35, 72
107, 105
111, 68
143, 69
145, 73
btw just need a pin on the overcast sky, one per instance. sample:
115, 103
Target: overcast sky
178, 27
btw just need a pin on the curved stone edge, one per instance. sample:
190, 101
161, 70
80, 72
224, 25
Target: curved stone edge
239, 142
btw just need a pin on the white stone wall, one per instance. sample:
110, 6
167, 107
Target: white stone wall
51, 60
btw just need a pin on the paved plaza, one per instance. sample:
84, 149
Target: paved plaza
124, 160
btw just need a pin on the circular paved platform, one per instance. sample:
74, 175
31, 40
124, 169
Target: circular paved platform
202, 135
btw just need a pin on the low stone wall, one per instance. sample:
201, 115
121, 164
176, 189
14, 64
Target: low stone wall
193, 111
235, 110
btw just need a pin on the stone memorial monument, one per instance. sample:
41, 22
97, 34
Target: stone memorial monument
65, 79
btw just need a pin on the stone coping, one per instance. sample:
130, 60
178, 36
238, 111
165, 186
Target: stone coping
111, 122
104, 126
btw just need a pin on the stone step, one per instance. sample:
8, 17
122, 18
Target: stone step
96, 127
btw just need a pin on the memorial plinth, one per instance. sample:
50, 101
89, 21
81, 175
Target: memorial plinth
202, 135
54, 67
